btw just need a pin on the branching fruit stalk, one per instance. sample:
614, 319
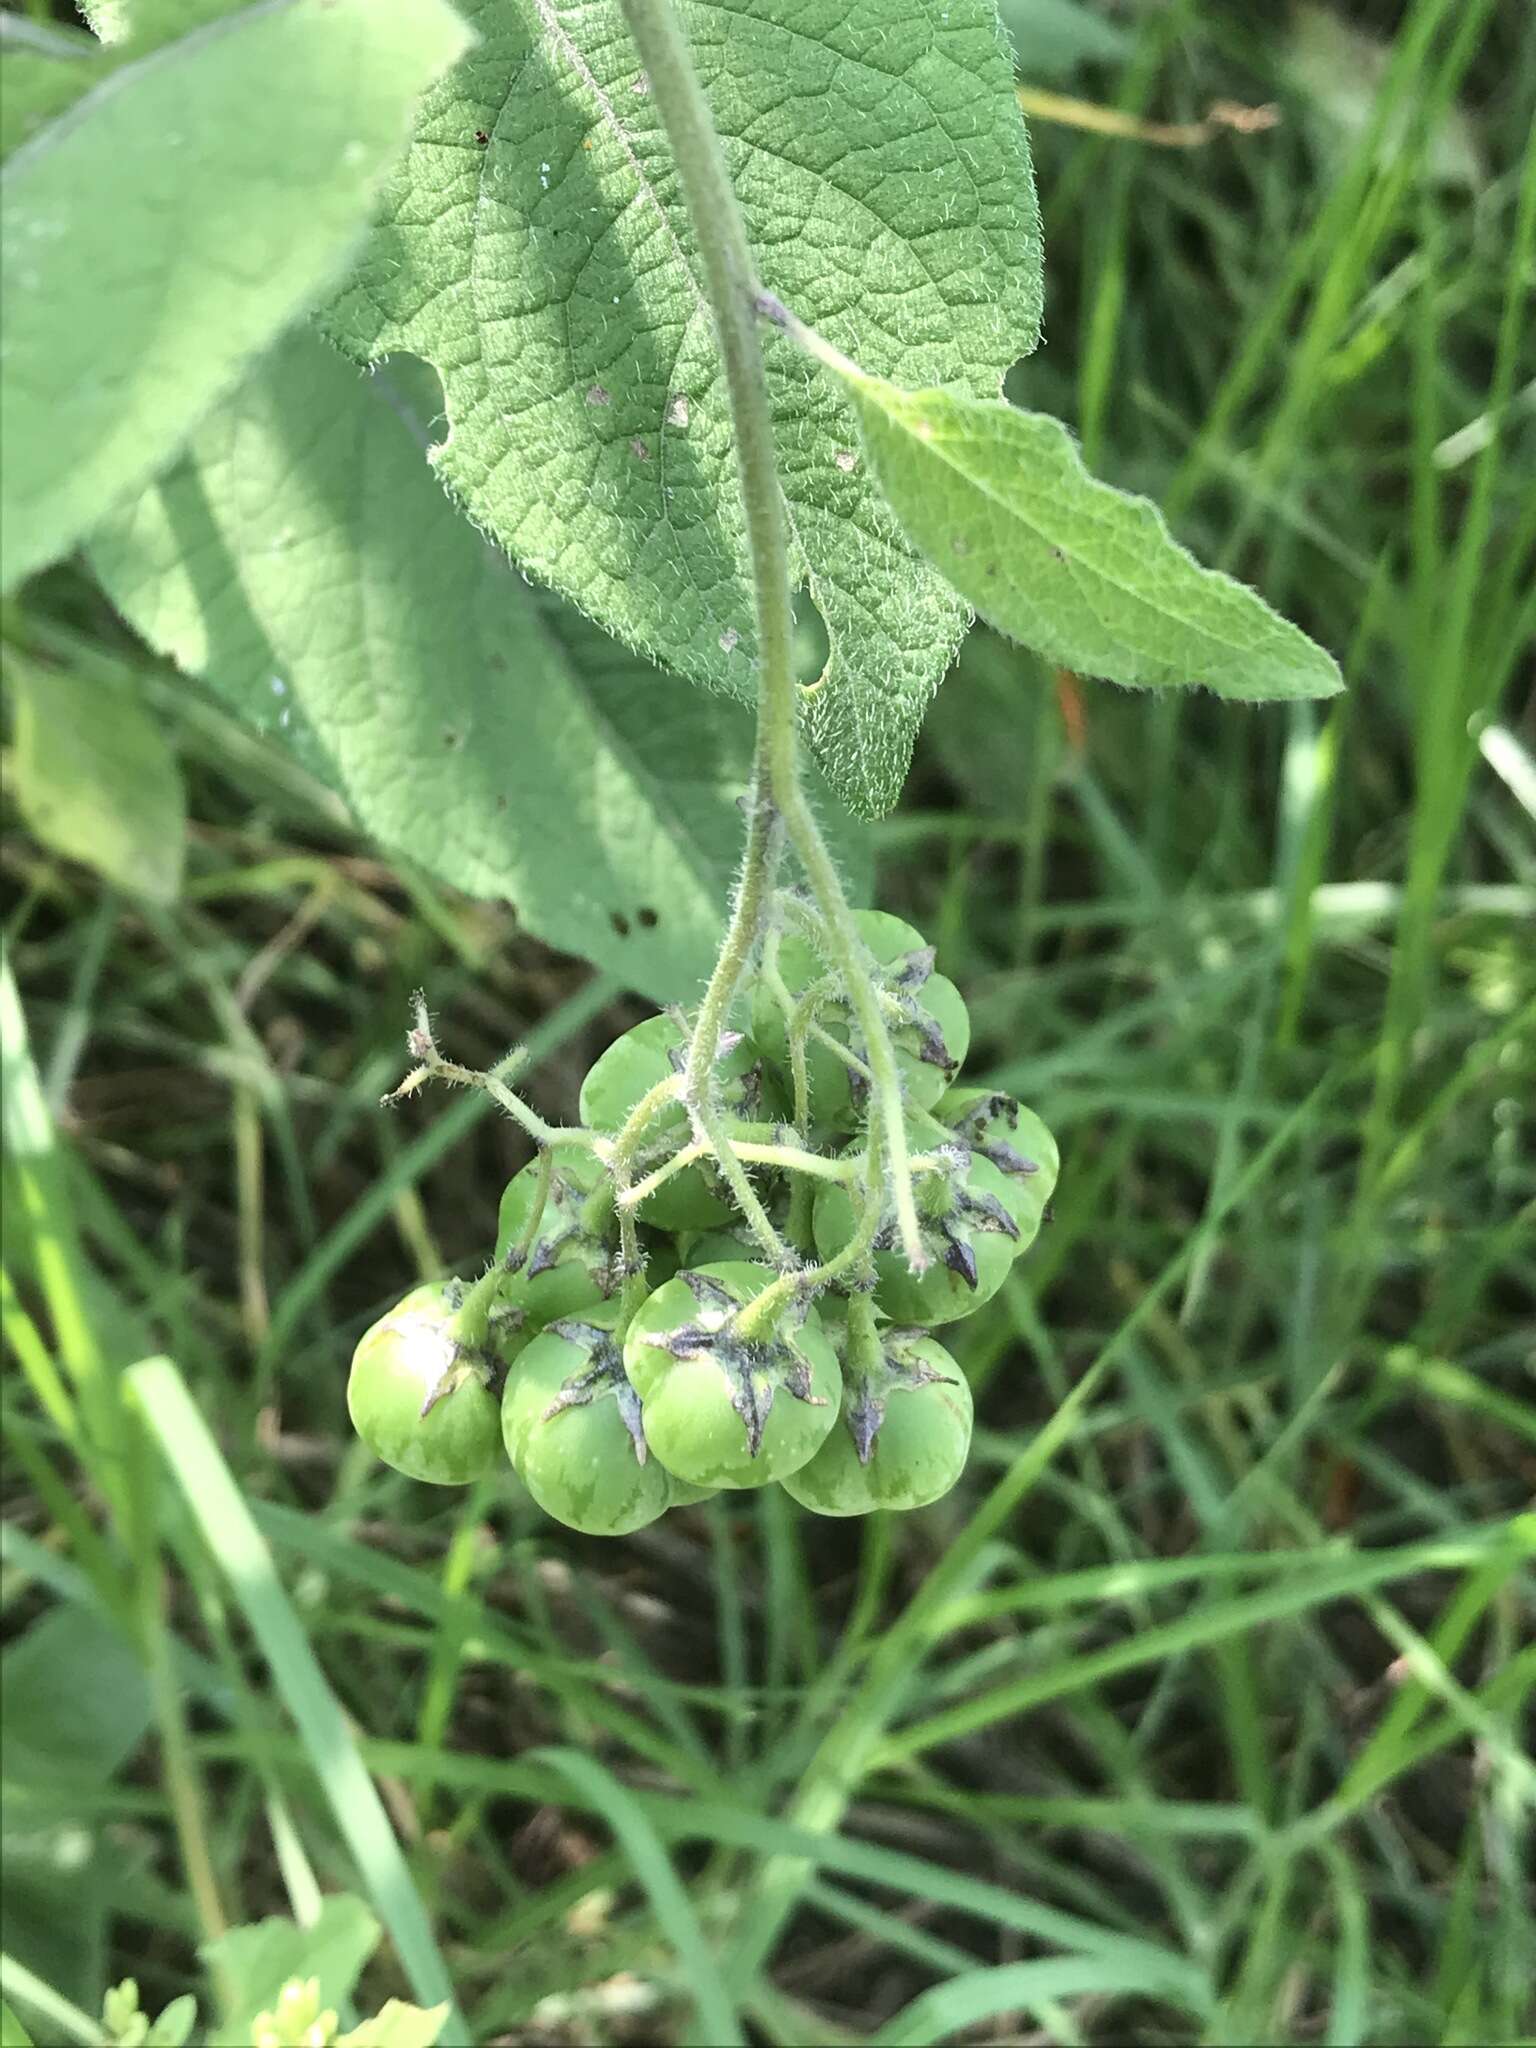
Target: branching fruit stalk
735, 298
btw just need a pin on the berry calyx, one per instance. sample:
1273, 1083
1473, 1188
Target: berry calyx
905, 1430
572, 1426
967, 1229
723, 1407
1012, 1138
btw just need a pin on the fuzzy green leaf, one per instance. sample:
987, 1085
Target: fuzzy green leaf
157, 237
1087, 575
96, 779
304, 559
550, 274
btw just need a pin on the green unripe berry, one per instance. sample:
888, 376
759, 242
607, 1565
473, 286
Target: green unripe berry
572, 1428
930, 1030
568, 1265
903, 1438
621, 1077
725, 1408
966, 1224
415, 1400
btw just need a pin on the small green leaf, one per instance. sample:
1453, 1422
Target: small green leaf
1087, 575
398, 2025
305, 559
254, 1963
204, 232
120, 2008
95, 778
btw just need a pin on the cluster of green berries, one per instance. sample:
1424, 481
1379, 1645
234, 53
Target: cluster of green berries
635, 1346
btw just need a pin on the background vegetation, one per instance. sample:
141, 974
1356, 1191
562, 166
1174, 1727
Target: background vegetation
1196, 1711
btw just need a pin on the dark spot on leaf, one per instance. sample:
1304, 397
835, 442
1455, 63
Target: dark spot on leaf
452, 738
1059, 553
482, 138
647, 918
502, 801
619, 922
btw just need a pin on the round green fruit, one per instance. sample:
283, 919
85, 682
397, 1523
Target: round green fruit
570, 1264
414, 1401
904, 1435
931, 1037
572, 1427
722, 1408
967, 1227
623, 1075
1014, 1140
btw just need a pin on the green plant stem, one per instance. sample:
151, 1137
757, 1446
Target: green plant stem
472, 1317
183, 1781
785, 1158
517, 1254
811, 1281
734, 297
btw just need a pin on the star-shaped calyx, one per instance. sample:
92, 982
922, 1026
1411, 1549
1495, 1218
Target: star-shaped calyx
754, 1367
563, 1234
977, 1125
602, 1378
867, 1390
948, 1234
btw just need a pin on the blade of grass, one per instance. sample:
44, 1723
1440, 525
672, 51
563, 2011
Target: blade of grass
653, 1870
219, 1510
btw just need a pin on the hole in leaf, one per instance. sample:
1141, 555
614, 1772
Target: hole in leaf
1016, 383
414, 389
813, 643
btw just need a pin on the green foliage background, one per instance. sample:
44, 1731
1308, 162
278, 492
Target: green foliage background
1197, 1710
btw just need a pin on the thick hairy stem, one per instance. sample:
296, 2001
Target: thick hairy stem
735, 300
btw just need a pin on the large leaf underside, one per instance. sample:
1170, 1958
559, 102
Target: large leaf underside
533, 246
302, 558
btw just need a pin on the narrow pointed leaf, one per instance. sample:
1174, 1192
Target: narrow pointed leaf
1087, 575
